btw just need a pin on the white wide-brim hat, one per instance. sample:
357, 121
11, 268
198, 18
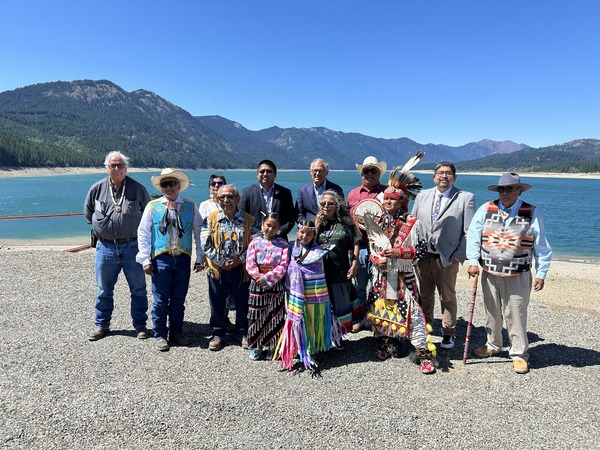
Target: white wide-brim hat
509, 179
183, 179
371, 161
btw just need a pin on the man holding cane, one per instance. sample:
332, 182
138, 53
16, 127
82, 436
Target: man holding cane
505, 236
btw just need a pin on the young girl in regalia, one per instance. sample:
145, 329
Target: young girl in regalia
267, 262
310, 326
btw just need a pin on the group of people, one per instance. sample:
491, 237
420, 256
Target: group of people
364, 262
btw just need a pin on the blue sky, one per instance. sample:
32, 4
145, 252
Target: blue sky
439, 71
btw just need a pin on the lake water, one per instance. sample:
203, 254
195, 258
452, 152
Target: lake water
572, 225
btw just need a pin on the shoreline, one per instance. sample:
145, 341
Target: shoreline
570, 285
18, 172
62, 244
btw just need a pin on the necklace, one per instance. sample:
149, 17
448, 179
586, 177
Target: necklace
117, 204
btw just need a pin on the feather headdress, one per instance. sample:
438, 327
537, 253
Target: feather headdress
402, 180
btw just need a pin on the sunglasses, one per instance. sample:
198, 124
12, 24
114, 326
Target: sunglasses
116, 166
265, 171
507, 189
326, 204
169, 183
373, 171
217, 183
226, 197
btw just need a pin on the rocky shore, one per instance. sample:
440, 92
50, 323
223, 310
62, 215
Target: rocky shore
58, 390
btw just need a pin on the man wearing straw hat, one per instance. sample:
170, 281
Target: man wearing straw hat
504, 237
371, 170
168, 227
114, 207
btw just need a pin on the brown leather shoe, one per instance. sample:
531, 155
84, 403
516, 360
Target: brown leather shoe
179, 340
484, 352
520, 366
162, 345
141, 332
98, 333
215, 344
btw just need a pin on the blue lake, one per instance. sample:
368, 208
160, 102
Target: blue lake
573, 226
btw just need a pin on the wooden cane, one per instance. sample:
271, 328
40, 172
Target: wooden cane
470, 323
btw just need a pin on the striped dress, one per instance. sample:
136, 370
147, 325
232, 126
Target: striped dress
310, 326
266, 305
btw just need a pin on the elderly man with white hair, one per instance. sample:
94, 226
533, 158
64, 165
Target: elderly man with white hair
114, 207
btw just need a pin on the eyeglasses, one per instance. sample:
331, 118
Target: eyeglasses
316, 171
116, 166
169, 183
265, 171
226, 197
372, 170
447, 173
507, 189
217, 183
326, 204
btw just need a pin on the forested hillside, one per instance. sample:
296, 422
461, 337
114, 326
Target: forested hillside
76, 123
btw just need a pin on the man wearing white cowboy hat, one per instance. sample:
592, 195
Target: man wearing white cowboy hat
505, 236
371, 170
165, 235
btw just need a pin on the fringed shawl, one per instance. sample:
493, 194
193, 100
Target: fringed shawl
310, 326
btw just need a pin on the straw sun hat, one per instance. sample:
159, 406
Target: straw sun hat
171, 173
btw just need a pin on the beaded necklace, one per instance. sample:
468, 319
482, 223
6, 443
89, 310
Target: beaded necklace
117, 204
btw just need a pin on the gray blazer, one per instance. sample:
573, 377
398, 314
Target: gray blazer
448, 232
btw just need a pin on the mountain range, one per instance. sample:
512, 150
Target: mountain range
75, 123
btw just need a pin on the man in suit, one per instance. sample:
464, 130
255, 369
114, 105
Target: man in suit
445, 213
309, 195
266, 196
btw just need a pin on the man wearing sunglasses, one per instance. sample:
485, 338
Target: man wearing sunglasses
168, 232
226, 234
309, 195
504, 237
114, 207
265, 197
371, 170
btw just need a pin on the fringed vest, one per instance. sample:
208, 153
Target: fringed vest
161, 243
507, 251
216, 236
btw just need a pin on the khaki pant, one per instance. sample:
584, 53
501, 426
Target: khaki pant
433, 275
507, 297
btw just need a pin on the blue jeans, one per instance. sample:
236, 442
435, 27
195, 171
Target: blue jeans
170, 286
110, 260
218, 290
363, 277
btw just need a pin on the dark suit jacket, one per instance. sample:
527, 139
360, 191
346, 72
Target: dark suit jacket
448, 232
253, 203
306, 200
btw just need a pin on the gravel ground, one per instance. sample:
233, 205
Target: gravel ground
58, 390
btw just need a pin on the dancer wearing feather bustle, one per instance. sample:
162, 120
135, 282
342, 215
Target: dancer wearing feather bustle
310, 326
397, 241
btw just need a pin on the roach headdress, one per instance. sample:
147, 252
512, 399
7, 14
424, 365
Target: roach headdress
402, 183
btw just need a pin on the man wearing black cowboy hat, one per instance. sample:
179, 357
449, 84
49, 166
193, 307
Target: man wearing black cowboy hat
505, 236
